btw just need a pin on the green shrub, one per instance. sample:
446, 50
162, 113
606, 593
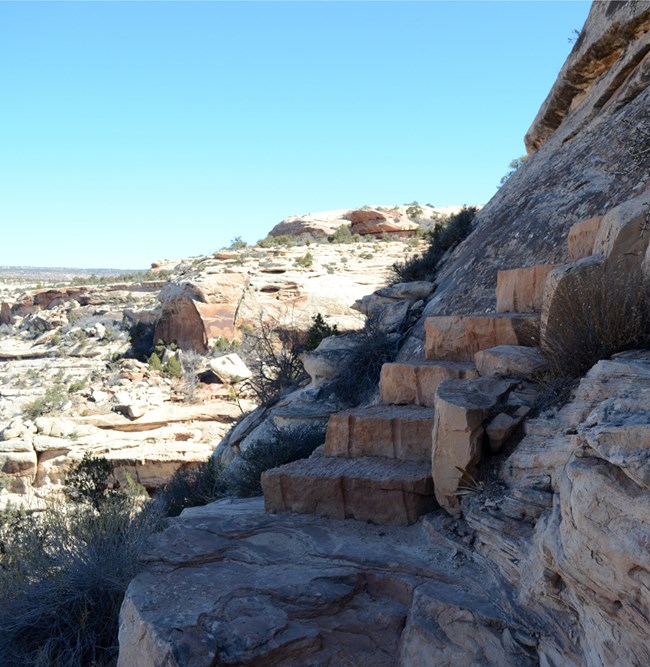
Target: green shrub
173, 367
342, 234
54, 398
414, 211
238, 244
318, 330
91, 480
154, 363
441, 239
283, 445
306, 261
284, 241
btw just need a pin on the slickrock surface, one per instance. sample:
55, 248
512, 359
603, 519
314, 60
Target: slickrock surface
219, 295
227, 584
380, 490
572, 530
395, 431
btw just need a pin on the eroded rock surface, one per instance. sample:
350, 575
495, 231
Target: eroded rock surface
227, 584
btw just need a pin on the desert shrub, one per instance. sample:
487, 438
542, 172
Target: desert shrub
343, 234
154, 363
173, 367
192, 486
63, 576
54, 398
414, 211
361, 364
91, 480
283, 240
282, 445
514, 165
441, 239
306, 261
238, 243
318, 330
595, 315
272, 353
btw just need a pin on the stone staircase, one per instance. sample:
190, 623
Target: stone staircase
376, 463
418, 449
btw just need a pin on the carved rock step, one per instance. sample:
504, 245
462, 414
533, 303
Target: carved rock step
415, 382
522, 290
460, 337
379, 490
392, 431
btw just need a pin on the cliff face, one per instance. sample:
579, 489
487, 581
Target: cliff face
582, 162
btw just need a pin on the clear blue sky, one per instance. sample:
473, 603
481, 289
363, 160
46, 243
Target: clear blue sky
139, 131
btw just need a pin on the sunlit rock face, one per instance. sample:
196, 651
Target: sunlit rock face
582, 146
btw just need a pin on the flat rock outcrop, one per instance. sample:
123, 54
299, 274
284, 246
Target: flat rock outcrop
227, 584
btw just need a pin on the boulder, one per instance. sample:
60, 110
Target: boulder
461, 408
328, 360
230, 369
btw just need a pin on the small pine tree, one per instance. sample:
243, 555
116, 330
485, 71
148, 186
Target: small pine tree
154, 363
318, 330
173, 367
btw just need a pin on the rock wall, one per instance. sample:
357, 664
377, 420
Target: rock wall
581, 164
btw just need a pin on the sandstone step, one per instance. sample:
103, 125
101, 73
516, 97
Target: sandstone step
378, 490
460, 337
392, 431
581, 238
522, 290
415, 382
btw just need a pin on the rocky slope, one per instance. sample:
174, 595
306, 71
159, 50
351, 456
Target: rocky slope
538, 553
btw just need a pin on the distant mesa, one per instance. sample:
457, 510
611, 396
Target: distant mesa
366, 221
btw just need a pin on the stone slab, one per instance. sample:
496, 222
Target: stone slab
393, 431
460, 337
522, 290
379, 490
415, 382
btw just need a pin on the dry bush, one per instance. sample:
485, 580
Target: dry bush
192, 486
63, 574
362, 364
596, 314
282, 445
272, 353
